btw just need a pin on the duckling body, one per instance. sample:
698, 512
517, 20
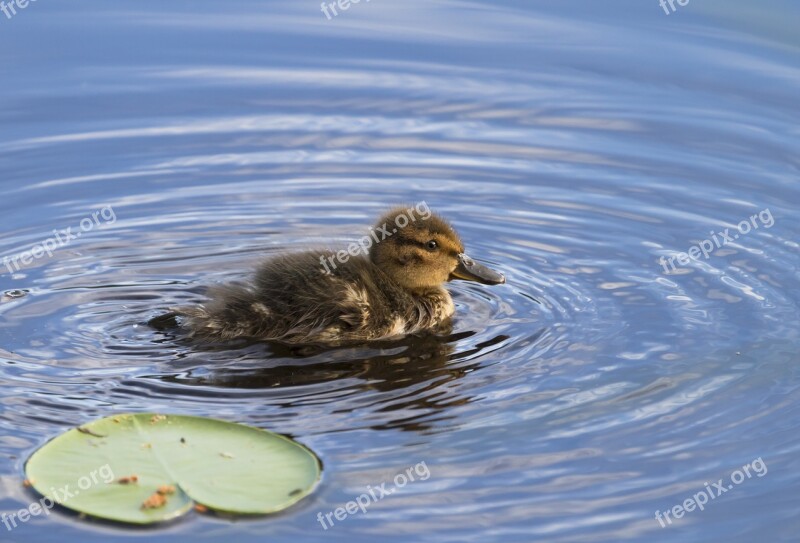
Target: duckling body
293, 300
309, 297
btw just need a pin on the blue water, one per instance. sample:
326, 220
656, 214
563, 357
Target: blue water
574, 144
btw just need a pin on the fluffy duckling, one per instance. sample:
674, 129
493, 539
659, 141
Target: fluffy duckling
336, 298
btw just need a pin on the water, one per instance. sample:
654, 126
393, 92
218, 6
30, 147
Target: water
573, 145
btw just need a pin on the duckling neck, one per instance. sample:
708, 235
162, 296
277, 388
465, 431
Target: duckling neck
416, 309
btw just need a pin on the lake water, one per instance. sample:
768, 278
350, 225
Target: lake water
577, 146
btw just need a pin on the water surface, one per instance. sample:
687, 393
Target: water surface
573, 144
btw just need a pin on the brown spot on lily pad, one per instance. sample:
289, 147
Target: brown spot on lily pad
166, 490
154, 502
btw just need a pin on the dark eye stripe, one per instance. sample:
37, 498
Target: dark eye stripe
424, 244
409, 241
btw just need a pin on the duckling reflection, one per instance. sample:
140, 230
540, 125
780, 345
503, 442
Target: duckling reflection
392, 370
310, 298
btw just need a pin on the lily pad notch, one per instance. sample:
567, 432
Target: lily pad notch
146, 468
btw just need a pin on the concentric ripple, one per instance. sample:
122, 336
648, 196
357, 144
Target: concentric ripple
593, 388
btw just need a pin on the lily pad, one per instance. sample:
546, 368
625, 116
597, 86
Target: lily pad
111, 467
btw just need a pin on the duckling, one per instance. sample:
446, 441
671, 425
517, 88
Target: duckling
395, 287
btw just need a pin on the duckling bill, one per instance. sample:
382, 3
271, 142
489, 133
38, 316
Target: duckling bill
326, 298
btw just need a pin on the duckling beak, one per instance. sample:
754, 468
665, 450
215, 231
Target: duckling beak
469, 270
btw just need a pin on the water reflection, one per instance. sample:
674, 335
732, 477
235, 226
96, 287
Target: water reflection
410, 376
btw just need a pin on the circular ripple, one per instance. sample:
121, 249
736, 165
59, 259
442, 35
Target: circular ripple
588, 379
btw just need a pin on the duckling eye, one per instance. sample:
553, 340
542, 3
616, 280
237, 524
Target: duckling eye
431, 245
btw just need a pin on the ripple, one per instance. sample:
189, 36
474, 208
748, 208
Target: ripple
566, 405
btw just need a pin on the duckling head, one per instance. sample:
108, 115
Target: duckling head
423, 253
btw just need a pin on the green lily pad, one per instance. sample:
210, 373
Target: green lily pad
110, 467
